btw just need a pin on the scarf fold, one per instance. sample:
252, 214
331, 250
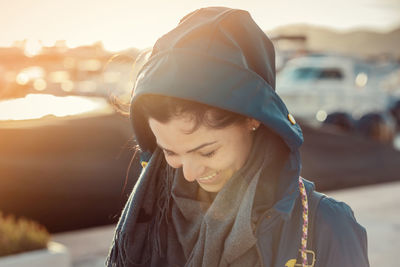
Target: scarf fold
179, 224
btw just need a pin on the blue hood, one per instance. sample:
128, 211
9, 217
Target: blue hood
220, 57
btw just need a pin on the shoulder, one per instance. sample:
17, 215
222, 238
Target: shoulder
339, 239
336, 216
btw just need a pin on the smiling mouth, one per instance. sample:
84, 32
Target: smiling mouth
208, 178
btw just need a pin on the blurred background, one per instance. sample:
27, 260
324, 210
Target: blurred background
64, 151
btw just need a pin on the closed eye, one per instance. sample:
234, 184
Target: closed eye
209, 155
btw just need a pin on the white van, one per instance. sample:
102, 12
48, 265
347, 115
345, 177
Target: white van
314, 86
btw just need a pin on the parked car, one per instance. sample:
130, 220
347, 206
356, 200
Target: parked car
315, 86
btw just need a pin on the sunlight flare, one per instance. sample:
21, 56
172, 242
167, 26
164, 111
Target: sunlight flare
35, 106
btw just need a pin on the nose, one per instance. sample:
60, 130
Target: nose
192, 170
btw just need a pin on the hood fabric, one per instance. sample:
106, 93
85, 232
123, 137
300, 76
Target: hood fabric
220, 57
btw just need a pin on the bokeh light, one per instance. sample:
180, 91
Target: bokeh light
39, 84
58, 76
28, 74
22, 79
321, 115
67, 86
32, 48
361, 79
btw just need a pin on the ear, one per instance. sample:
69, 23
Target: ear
253, 124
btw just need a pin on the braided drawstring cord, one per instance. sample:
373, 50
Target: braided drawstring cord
304, 236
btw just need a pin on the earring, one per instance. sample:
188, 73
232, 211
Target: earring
254, 128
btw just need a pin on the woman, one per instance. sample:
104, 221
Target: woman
222, 186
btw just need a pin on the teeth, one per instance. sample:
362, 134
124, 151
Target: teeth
208, 177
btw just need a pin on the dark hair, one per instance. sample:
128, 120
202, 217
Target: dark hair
164, 108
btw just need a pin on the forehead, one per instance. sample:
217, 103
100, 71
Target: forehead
178, 135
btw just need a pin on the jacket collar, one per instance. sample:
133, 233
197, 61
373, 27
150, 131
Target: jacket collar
288, 187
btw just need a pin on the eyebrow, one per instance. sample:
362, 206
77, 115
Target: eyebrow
191, 150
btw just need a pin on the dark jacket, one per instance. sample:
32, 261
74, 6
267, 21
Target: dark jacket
220, 57
335, 237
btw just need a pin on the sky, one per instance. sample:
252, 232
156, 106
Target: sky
122, 24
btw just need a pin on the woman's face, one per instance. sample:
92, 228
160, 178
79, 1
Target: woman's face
208, 156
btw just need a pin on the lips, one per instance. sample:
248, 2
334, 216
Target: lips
208, 179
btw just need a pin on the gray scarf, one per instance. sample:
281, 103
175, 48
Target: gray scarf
171, 222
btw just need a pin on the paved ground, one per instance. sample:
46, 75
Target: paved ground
376, 207
89, 247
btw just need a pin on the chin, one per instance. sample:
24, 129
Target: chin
211, 189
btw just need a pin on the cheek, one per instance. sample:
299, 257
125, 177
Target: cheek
235, 156
223, 160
